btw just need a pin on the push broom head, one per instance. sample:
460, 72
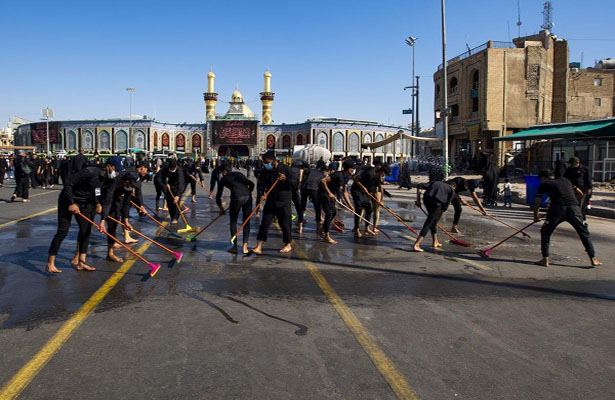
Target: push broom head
460, 243
484, 253
188, 228
179, 256
191, 239
155, 268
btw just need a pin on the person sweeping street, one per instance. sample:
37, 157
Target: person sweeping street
438, 196
172, 176
564, 207
241, 200
330, 186
464, 185
369, 178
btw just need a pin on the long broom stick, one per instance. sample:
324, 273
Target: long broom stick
188, 228
178, 255
485, 253
193, 238
335, 221
254, 211
154, 267
387, 208
454, 240
499, 220
158, 223
352, 212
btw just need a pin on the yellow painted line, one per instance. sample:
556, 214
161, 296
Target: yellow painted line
28, 217
26, 374
384, 365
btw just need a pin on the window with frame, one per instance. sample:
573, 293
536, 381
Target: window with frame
598, 102
597, 81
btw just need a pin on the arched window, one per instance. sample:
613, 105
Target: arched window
139, 140
180, 142
353, 143
71, 140
271, 142
87, 140
286, 142
367, 138
104, 140
165, 141
453, 85
121, 140
196, 142
299, 139
323, 140
379, 138
338, 142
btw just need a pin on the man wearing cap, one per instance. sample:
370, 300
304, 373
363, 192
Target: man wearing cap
581, 181
82, 193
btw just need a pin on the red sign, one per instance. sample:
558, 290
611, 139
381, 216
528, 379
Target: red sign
234, 132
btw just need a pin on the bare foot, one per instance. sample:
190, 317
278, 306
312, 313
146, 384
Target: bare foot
130, 240
173, 222
286, 249
543, 262
50, 268
369, 231
26, 201
114, 258
455, 230
417, 249
357, 233
116, 245
257, 251
246, 251
193, 199
300, 229
84, 267
328, 239
74, 261
595, 262
165, 209
437, 245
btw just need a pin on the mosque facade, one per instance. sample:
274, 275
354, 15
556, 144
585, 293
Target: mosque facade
238, 133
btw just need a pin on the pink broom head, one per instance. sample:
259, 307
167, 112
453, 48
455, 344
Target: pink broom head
484, 253
178, 256
460, 243
154, 268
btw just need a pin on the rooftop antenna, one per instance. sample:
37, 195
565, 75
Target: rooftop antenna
547, 14
581, 60
519, 18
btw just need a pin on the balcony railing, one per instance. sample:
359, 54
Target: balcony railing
484, 46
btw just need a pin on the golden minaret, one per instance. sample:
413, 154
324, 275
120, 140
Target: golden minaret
211, 98
267, 100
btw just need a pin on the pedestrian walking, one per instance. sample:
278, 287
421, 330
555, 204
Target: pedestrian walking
507, 193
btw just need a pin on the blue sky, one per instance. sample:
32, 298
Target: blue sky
330, 58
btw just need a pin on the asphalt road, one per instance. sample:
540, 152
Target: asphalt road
364, 319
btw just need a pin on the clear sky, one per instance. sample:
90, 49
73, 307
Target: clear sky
342, 59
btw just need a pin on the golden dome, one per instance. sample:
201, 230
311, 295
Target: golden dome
236, 96
267, 74
211, 74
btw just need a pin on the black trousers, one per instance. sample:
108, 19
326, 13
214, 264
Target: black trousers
243, 204
328, 207
159, 192
434, 212
456, 203
172, 206
192, 188
571, 214
362, 203
283, 213
64, 221
313, 196
22, 187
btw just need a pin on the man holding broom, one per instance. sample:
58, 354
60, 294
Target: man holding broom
241, 199
438, 196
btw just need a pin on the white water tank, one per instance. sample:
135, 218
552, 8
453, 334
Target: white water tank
311, 153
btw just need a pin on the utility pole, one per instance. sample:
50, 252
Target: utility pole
418, 124
130, 91
444, 112
48, 113
411, 41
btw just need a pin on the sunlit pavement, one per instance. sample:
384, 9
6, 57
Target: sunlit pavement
217, 325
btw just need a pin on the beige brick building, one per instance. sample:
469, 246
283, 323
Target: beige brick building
500, 88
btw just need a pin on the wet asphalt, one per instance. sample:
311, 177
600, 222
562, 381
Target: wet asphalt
219, 325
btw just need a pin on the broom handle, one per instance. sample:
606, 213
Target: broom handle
114, 238
440, 227
181, 212
152, 218
209, 224
514, 234
351, 211
140, 234
387, 208
497, 219
256, 208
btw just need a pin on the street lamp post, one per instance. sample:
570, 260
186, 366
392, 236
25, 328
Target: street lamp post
411, 41
130, 91
444, 112
48, 113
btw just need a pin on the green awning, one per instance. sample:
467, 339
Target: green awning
599, 129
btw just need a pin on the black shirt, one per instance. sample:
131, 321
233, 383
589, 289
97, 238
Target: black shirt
337, 181
439, 191
559, 191
281, 194
368, 178
579, 177
173, 179
85, 186
311, 178
463, 184
239, 185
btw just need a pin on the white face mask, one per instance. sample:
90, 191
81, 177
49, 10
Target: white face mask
112, 174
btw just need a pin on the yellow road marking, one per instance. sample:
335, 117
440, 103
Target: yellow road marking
384, 365
28, 217
21, 379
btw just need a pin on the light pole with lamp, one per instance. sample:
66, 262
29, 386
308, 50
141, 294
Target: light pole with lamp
48, 113
130, 91
444, 113
411, 41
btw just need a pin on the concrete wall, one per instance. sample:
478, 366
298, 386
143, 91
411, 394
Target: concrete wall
583, 92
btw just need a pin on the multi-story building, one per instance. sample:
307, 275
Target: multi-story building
500, 88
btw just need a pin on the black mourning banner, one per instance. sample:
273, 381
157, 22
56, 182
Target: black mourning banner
39, 132
234, 132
